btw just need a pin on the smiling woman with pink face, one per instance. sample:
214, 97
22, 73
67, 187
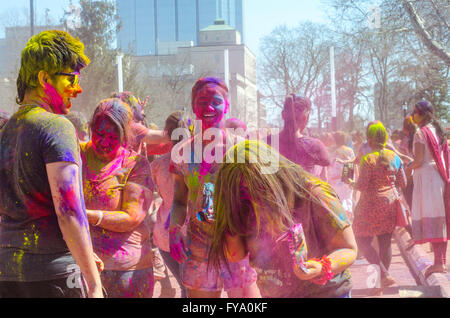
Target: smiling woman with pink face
106, 141
210, 106
118, 193
193, 192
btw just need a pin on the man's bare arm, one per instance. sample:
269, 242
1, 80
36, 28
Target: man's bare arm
67, 197
156, 137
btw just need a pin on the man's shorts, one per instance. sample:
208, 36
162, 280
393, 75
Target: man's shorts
196, 276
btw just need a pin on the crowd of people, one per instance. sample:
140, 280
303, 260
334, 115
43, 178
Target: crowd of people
110, 196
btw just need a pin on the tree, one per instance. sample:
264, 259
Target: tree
16, 24
294, 61
98, 28
297, 60
350, 79
168, 80
403, 68
421, 30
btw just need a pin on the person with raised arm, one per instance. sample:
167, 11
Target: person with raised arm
194, 174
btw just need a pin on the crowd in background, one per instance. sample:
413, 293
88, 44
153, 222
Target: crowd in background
105, 193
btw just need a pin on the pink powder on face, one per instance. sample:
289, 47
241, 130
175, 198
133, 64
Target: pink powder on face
210, 100
53, 99
105, 137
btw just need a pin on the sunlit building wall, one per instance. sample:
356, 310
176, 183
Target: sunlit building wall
147, 23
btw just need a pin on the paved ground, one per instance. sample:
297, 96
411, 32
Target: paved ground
429, 252
361, 272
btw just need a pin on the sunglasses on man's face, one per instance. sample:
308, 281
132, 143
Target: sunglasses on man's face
74, 77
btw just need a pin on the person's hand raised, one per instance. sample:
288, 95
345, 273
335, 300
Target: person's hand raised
178, 248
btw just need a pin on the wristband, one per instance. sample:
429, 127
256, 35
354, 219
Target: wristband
326, 274
99, 219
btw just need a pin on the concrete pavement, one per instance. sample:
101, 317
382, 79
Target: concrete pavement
361, 273
418, 258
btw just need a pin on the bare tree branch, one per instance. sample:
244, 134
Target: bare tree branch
419, 27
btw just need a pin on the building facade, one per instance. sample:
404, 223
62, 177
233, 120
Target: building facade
219, 53
149, 24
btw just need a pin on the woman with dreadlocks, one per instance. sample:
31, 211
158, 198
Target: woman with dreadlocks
258, 210
431, 194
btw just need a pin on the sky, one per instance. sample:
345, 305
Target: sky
260, 16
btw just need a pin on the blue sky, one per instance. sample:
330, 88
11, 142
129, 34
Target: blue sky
261, 16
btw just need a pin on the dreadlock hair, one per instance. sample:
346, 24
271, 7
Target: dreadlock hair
425, 109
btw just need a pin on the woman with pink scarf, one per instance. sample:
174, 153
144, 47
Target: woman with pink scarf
430, 206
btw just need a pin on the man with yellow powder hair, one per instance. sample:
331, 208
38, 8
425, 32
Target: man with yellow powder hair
44, 231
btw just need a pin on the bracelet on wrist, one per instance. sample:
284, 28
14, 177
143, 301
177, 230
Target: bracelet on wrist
326, 274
